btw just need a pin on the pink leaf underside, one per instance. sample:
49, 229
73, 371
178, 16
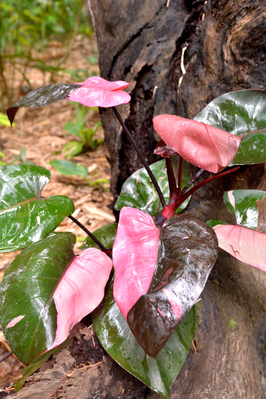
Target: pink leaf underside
245, 244
202, 145
134, 256
98, 92
80, 290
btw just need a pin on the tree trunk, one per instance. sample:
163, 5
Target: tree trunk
180, 55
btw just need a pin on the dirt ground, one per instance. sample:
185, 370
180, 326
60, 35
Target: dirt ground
41, 132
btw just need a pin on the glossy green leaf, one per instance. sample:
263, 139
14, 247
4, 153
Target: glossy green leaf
70, 168
25, 216
75, 128
41, 97
242, 204
139, 192
117, 339
251, 149
106, 235
237, 112
28, 313
187, 252
214, 222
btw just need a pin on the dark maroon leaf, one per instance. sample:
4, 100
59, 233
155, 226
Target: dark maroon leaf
261, 205
188, 249
163, 150
41, 97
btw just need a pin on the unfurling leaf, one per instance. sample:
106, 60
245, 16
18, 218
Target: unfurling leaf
98, 92
179, 256
242, 243
202, 145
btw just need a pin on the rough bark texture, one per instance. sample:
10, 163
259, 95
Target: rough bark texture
223, 44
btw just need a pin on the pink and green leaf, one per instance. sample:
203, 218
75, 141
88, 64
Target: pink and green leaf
179, 256
117, 339
202, 145
46, 290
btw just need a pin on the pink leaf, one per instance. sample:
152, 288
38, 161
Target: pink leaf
135, 256
202, 145
80, 290
98, 92
245, 244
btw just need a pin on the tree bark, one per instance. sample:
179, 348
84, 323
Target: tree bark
180, 55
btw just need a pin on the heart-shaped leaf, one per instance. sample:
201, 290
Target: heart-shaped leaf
117, 339
28, 313
70, 168
242, 204
25, 216
41, 97
139, 192
202, 145
45, 293
245, 244
106, 235
160, 278
236, 112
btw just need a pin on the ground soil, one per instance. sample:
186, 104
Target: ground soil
42, 134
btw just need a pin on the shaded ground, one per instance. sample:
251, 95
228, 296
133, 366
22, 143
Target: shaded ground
41, 132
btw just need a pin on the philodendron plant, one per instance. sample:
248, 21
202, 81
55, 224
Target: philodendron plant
139, 278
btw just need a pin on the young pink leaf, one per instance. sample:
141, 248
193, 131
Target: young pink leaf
134, 255
242, 243
202, 145
98, 92
80, 290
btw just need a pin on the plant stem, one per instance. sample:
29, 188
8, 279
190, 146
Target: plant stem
180, 175
190, 183
104, 249
144, 162
171, 180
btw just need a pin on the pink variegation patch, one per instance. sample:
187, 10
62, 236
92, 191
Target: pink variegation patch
202, 145
245, 244
98, 92
80, 290
135, 256
172, 298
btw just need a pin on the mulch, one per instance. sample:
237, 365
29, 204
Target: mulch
41, 132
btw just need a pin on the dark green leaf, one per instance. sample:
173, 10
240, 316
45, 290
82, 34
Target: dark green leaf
70, 168
41, 97
242, 204
214, 222
116, 337
106, 235
187, 251
251, 149
25, 216
237, 112
139, 192
27, 289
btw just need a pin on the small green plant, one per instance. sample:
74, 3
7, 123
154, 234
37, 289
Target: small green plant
70, 168
86, 135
